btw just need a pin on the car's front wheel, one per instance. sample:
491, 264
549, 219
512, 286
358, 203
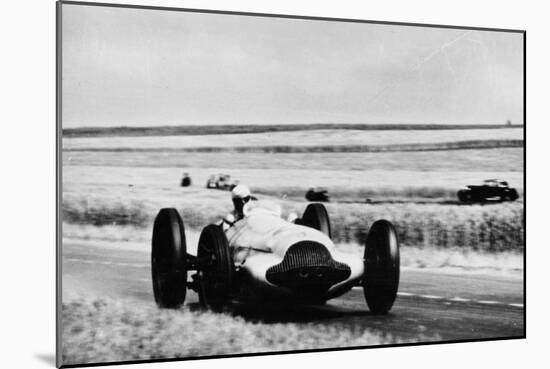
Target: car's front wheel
513, 195
381, 261
169, 259
215, 268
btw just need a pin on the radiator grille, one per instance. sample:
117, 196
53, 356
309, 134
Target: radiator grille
308, 266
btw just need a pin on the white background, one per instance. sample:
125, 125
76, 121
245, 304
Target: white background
27, 225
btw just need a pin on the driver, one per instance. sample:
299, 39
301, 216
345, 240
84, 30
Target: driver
240, 195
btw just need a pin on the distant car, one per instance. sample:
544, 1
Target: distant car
317, 194
265, 258
490, 189
221, 182
186, 180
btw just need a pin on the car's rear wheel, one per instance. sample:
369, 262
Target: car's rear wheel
169, 259
316, 217
464, 196
215, 268
381, 260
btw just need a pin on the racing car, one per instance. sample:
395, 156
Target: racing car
490, 189
263, 257
221, 182
317, 194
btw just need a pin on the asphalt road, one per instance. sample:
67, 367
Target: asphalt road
458, 306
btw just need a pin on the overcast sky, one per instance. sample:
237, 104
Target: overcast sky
137, 67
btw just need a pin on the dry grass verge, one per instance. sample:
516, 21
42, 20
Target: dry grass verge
103, 330
487, 228
463, 258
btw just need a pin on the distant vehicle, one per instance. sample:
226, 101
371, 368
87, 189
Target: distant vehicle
186, 180
221, 182
317, 194
490, 189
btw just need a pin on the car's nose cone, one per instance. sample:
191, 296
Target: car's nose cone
309, 268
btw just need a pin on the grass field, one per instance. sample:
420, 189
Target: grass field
487, 228
142, 183
465, 161
103, 330
319, 138
194, 130
415, 190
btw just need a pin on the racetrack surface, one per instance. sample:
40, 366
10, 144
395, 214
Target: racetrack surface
448, 306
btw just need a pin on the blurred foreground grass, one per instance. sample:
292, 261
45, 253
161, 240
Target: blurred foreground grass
105, 330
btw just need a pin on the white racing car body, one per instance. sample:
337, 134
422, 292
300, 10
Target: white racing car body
286, 259
263, 257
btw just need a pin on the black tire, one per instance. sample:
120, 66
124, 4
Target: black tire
169, 259
464, 196
513, 195
215, 269
316, 217
381, 275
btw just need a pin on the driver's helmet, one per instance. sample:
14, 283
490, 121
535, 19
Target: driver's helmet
240, 195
